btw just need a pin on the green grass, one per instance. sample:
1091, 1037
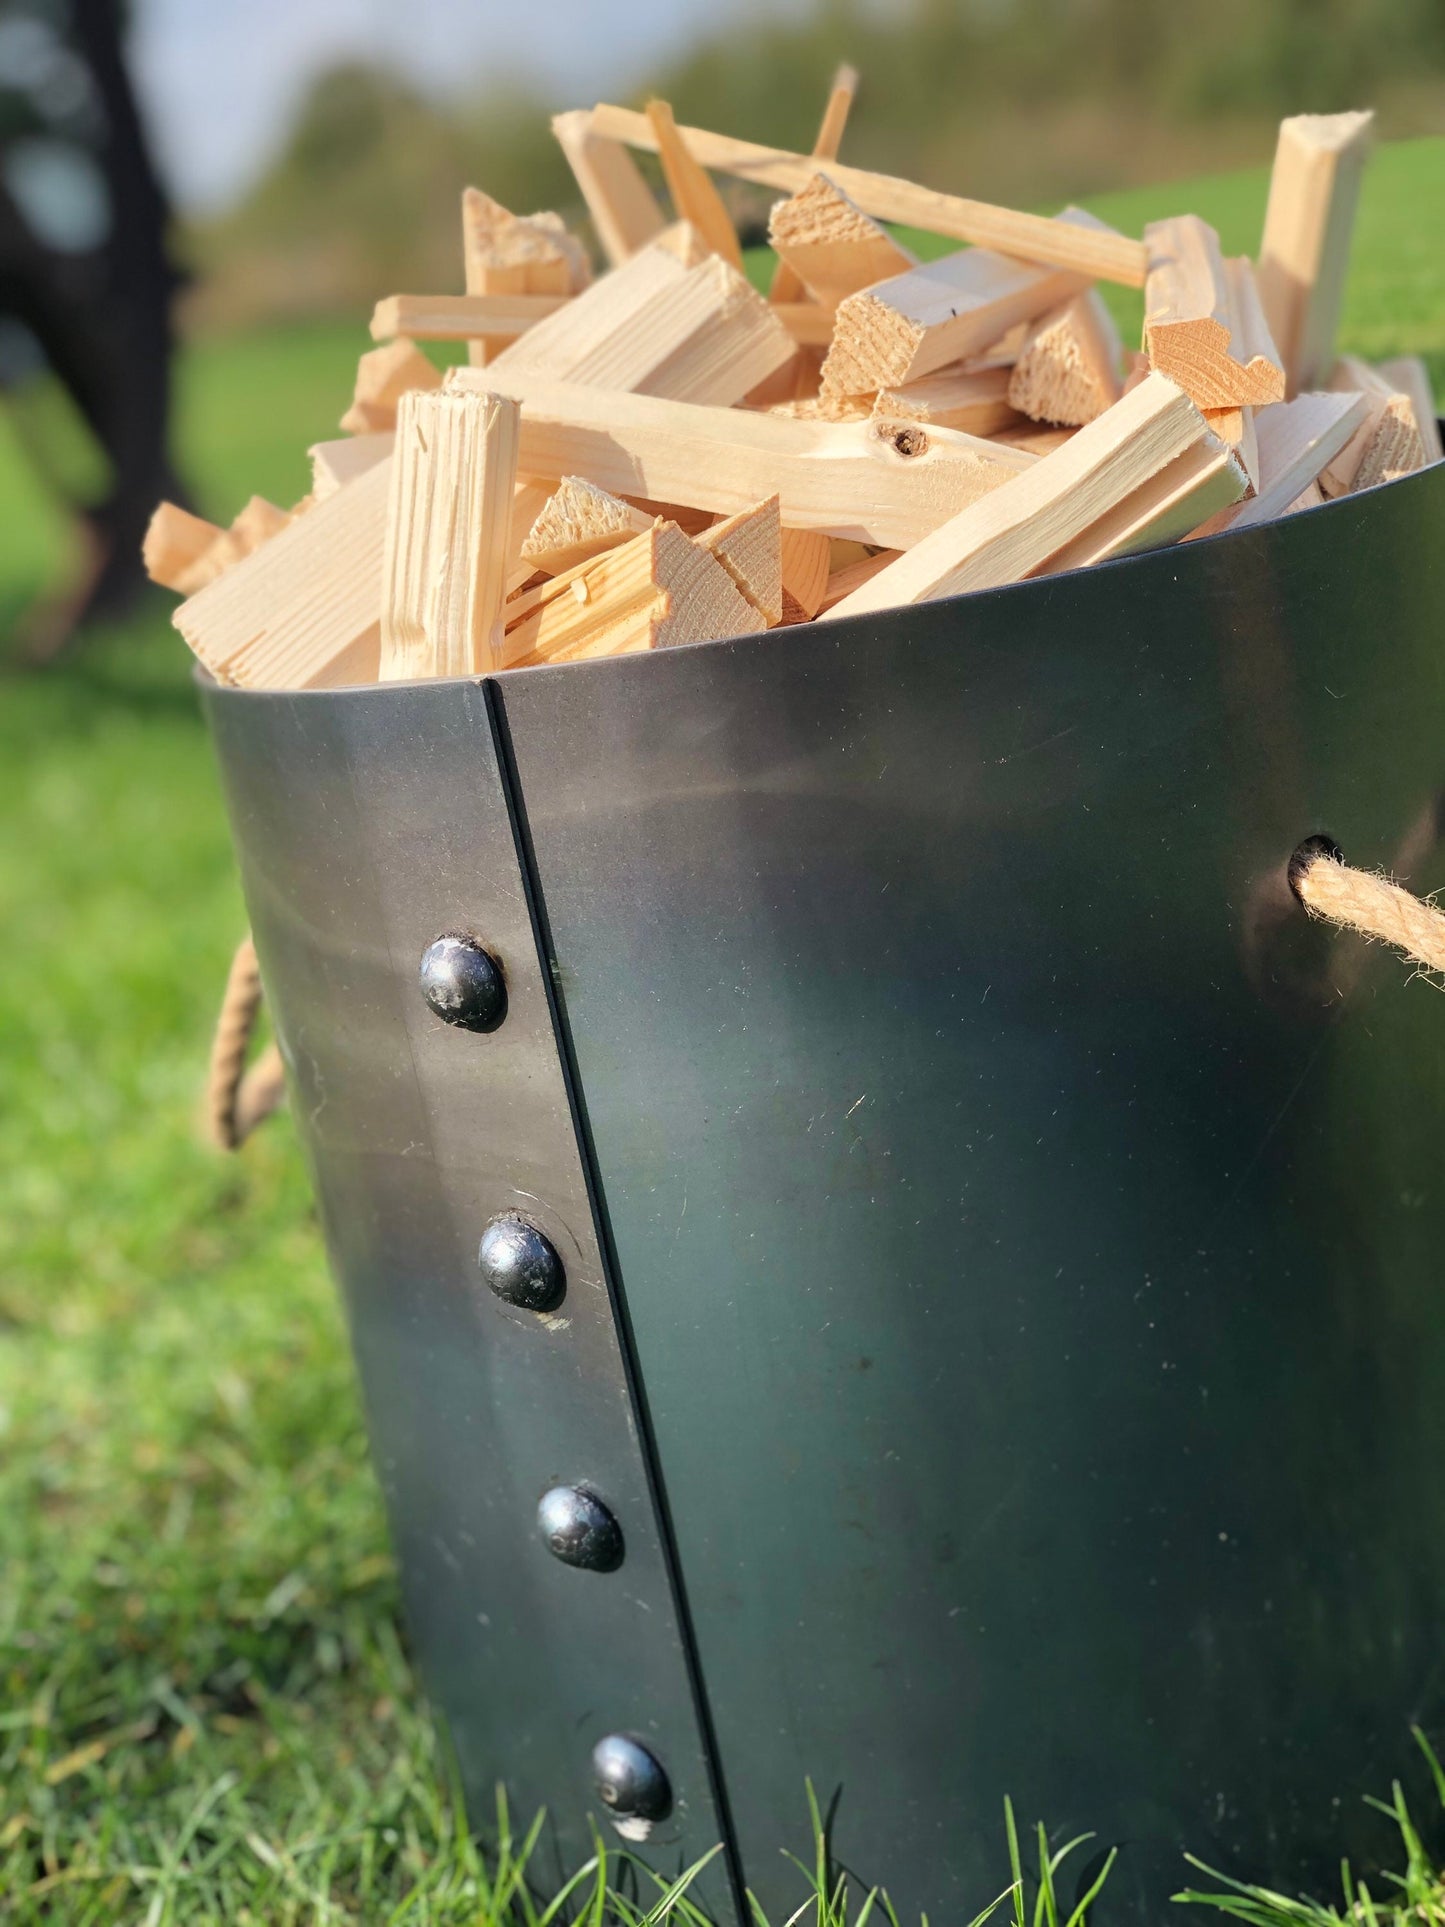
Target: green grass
206, 1712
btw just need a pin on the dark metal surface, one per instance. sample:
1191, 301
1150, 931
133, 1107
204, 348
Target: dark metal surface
365, 826
1028, 1223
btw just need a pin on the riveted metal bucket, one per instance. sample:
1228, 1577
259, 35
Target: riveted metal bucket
999, 1315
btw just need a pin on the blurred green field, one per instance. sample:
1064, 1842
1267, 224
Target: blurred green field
205, 1710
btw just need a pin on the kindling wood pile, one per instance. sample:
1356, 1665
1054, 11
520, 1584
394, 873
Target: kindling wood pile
661, 454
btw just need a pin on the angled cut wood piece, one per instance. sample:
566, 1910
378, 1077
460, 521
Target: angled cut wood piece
175, 543
832, 246
495, 320
256, 523
944, 311
578, 522
1068, 369
656, 326
335, 463
1297, 441
694, 198
517, 255
383, 376
657, 591
1319, 162
749, 546
304, 610
1387, 441
1203, 324
973, 398
1196, 485
786, 284
506, 253
1408, 375
1013, 532
1095, 254
878, 482
623, 207
445, 560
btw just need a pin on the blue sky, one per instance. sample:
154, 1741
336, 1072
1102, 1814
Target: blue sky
221, 78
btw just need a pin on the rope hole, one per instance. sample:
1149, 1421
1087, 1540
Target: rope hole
1310, 851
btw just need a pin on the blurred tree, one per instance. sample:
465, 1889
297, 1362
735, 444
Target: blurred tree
1029, 101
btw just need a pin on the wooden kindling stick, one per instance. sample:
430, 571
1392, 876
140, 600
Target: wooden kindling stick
1360, 900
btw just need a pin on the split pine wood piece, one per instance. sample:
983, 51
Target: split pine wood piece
1310, 497
832, 408
1409, 376
810, 325
694, 198
1319, 162
528, 501
887, 483
842, 582
302, 611
1068, 369
832, 246
807, 558
654, 592
944, 311
506, 253
1015, 531
787, 287
1387, 442
1236, 426
174, 548
623, 207
973, 398
1203, 324
691, 521
578, 522
383, 376
1297, 441
490, 320
1036, 438
444, 569
510, 254
684, 243
335, 463
749, 545
1186, 492
614, 308
1096, 253
256, 523
657, 327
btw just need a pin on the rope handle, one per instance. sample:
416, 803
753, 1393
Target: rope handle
1365, 902
238, 1098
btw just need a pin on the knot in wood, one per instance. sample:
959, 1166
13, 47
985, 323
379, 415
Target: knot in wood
906, 437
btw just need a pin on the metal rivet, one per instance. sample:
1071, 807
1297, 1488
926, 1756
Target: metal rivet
521, 1265
579, 1530
463, 983
631, 1785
